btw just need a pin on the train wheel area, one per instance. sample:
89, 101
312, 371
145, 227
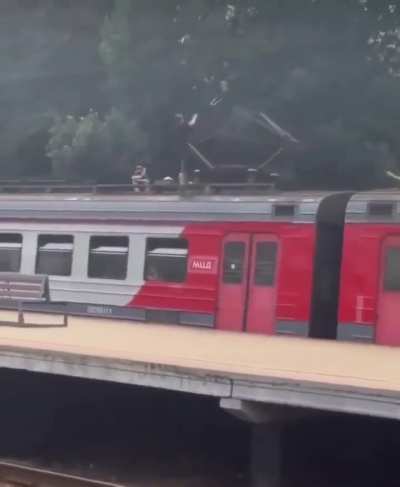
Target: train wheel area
131, 436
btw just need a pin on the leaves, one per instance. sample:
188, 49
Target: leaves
327, 71
94, 148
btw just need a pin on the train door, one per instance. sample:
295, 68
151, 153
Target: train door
388, 322
262, 289
247, 283
233, 282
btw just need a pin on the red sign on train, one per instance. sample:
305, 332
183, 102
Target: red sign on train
203, 264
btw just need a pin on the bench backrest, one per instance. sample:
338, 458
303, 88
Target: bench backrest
23, 287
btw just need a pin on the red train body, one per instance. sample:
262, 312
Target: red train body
243, 301
283, 294
370, 277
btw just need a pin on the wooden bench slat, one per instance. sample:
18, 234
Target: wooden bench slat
21, 290
21, 296
25, 300
16, 277
22, 287
24, 293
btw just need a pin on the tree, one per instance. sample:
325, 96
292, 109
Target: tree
328, 72
311, 65
48, 65
93, 148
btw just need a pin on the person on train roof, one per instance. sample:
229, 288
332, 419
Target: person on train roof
139, 177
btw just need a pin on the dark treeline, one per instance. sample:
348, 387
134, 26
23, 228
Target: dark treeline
90, 88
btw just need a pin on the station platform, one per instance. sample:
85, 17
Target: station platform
291, 372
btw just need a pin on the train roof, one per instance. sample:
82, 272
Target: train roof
374, 206
272, 206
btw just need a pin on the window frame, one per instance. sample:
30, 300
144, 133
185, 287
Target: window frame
20, 245
59, 236
387, 287
89, 256
162, 242
271, 282
243, 262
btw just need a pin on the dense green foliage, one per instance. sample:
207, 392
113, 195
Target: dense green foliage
91, 148
328, 72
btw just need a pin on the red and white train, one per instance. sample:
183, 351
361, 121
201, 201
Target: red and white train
323, 265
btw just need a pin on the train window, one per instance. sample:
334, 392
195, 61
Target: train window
234, 253
380, 209
166, 259
284, 210
264, 274
391, 280
10, 252
108, 257
54, 255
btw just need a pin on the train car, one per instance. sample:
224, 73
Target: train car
256, 263
370, 281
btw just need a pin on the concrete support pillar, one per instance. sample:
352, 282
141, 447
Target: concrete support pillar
266, 468
268, 423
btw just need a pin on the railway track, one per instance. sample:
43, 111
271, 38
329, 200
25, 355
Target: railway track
20, 475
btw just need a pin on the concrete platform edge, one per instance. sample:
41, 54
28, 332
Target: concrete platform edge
285, 393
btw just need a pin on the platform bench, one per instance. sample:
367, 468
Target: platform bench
22, 292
